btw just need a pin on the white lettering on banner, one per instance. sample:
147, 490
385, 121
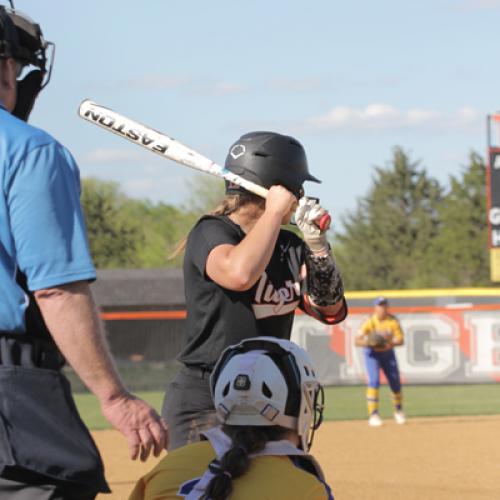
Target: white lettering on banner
495, 237
495, 216
496, 162
485, 345
431, 353
431, 350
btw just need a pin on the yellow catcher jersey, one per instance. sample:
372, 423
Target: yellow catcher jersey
269, 478
388, 325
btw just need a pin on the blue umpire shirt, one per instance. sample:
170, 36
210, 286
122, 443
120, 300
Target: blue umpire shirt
42, 231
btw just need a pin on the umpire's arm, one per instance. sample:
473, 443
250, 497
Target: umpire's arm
71, 316
52, 252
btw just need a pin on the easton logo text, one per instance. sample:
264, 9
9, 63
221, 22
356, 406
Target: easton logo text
123, 129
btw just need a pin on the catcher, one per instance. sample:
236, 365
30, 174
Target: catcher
379, 335
269, 403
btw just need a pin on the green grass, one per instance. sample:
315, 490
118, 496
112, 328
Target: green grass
348, 403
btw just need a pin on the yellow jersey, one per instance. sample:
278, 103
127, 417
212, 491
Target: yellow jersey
269, 478
389, 327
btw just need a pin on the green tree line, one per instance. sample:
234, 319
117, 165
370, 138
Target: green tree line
407, 231
129, 233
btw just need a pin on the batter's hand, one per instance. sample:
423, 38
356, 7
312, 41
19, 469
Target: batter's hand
281, 201
307, 217
144, 429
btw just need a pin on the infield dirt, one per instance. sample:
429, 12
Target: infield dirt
441, 458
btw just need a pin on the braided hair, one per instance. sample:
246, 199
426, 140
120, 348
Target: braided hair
246, 440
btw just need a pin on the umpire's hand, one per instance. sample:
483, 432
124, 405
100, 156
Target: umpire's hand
144, 429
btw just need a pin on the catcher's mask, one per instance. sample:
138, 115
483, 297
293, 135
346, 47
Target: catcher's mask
22, 39
265, 381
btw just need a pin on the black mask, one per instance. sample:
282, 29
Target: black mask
22, 40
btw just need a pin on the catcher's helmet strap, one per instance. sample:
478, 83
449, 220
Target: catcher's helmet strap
268, 411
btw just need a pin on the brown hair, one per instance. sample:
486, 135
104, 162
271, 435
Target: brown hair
230, 204
246, 440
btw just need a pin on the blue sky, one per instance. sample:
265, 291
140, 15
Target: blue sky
349, 79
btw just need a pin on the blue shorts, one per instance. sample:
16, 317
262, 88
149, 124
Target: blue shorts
386, 361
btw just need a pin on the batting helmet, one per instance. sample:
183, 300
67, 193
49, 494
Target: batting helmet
22, 39
268, 159
265, 381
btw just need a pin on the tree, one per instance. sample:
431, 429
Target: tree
114, 238
385, 240
130, 233
163, 227
206, 192
460, 250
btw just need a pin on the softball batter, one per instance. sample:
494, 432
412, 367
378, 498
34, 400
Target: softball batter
245, 276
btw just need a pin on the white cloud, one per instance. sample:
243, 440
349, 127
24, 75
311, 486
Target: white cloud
103, 155
480, 4
156, 180
158, 82
226, 88
384, 116
157, 183
217, 89
191, 84
302, 85
466, 115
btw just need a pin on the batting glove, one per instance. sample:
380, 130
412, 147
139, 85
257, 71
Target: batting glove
308, 213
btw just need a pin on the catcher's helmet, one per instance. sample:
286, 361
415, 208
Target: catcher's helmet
22, 39
265, 381
268, 159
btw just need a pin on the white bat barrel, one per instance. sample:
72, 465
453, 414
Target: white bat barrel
160, 144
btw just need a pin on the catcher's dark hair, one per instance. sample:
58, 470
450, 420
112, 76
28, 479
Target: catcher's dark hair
246, 440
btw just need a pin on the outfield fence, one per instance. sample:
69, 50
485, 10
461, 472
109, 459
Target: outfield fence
451, 336
442, 345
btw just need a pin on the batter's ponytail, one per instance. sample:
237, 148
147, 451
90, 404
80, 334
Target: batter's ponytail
236, 461
230, 204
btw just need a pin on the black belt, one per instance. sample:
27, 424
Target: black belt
29, 351
199, 371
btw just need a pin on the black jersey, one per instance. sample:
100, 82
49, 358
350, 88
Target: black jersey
217, 317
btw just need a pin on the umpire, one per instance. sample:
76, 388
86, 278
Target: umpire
47, 313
